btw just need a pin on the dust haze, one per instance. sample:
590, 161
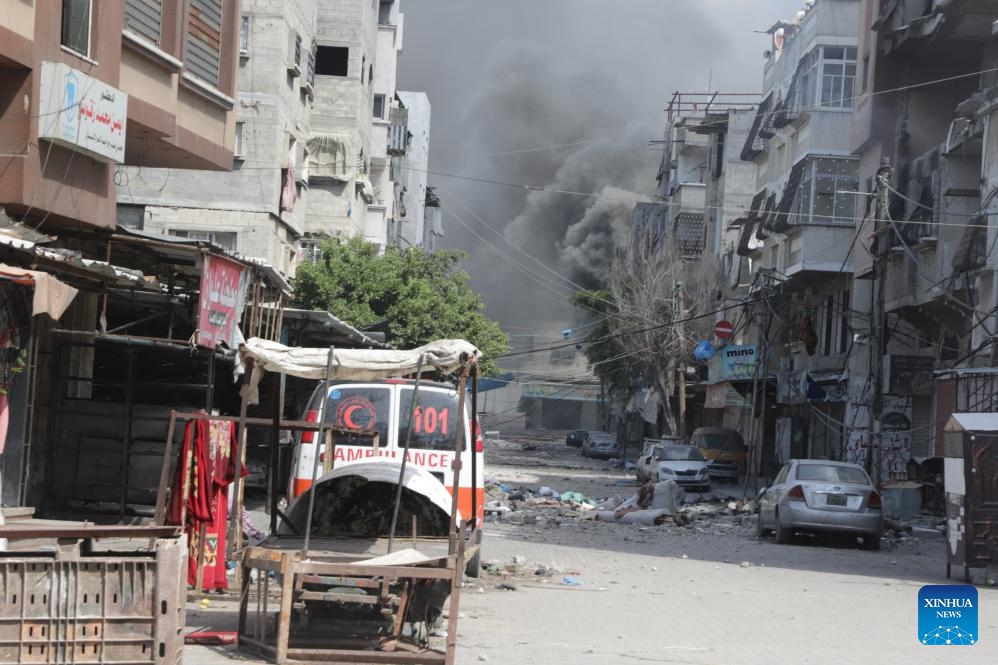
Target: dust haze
564, 96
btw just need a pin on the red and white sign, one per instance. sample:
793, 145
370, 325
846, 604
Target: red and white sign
223, 291
724, 330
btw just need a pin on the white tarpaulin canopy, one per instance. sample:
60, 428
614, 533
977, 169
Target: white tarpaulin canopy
445, 356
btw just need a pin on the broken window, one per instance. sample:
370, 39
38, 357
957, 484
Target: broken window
332, 60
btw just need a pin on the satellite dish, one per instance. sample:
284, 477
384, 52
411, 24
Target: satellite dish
779, 39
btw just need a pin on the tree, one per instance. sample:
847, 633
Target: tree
663, 303
423, 295
606, 354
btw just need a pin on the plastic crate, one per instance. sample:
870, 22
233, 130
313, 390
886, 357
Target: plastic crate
72, 607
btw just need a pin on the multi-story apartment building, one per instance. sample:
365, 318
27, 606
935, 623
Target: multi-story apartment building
314, 119
925, 109
412, 176
795, 242
90, 85
91, 91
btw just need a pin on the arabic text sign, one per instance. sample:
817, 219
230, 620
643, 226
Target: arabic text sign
82, 113
223, 291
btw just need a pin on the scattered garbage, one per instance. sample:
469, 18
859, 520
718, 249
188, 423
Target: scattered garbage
505, 586
571, 581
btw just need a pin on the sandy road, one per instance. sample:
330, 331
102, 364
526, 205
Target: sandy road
709, 593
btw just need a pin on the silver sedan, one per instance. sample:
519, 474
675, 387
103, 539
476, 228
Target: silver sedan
821, 496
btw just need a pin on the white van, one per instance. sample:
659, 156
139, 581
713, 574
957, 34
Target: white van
385, 406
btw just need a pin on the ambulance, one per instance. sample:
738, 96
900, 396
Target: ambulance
386, 406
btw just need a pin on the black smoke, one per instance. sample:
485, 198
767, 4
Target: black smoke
517, 75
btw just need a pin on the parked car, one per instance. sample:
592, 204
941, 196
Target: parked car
576, 438
724, 448
681, 463
600, 444
649, 453
821, 496
256, 475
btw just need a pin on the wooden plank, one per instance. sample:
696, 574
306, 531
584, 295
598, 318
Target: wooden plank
32, 531
358, 656
419, 573
334, 597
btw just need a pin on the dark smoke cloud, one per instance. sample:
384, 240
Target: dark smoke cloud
518, 74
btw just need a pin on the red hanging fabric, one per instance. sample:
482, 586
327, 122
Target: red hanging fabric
211, 445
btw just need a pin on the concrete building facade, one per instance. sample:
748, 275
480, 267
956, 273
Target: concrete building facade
411, 228
165, 86
316, 89
925, 140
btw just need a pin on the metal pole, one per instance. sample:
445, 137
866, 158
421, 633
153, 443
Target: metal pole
876, 325
750, 461
405, 457
275, 451
320, 441
456, 464
473, 445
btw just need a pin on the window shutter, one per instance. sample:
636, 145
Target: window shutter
204, 39
144, 17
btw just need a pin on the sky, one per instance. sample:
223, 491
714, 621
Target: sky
562, 95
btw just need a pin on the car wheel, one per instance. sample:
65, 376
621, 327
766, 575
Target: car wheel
759, 529
871, 543
781, 533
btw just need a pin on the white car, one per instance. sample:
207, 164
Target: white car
683, 464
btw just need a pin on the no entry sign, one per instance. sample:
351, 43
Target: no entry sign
724, 329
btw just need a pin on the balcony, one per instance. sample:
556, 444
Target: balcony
398, 132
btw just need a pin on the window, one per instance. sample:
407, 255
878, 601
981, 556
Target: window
204, 38
244, 34
310, 72
76, 25
838, 76
311, 249
363, 65
131, 216
828, 326
237, 148
224, 239
866, 73
332, 60
844, 335
295, 57
379, 106
808, 82
370, 73
144, 18
385, 13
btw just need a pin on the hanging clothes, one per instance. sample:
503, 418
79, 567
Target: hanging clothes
211, 447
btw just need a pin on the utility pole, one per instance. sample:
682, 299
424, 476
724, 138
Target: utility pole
881, 211
682, 362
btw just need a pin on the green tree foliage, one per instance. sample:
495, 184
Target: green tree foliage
608, 358
423, 295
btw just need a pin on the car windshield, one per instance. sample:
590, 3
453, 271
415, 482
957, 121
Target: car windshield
731, 440
832, 473
680, 453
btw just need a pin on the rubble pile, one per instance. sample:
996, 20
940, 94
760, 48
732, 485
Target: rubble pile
653, 504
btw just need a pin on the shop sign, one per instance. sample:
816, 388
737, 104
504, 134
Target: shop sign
82, 113
223, 293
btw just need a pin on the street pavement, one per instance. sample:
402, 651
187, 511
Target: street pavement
707, 593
